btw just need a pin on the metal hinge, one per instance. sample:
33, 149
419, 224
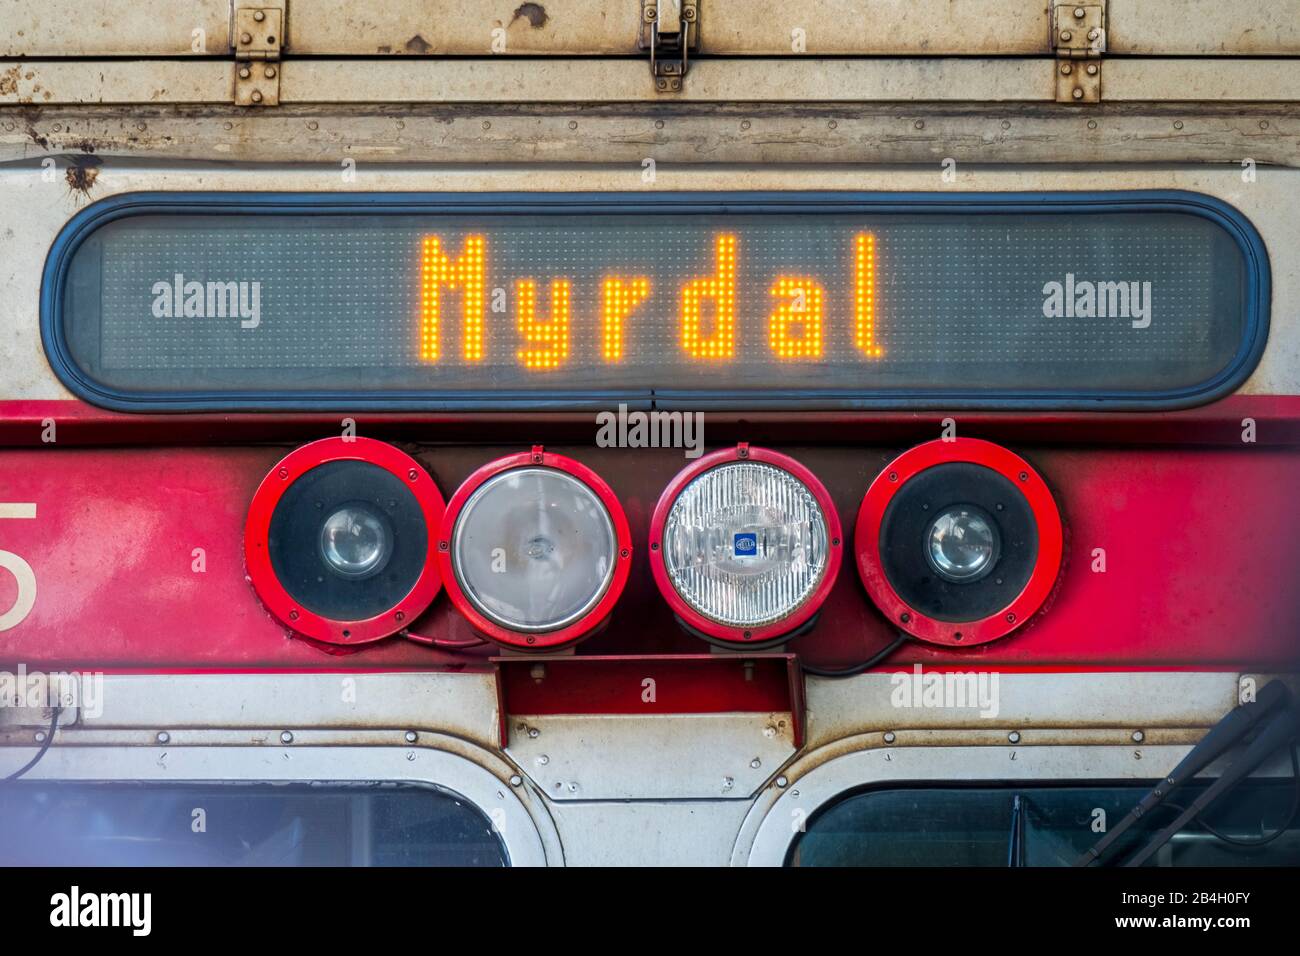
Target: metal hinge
259, 36
1079, 39
670, 29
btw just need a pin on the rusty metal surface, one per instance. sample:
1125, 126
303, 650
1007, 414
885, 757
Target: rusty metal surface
890, 134
54, 28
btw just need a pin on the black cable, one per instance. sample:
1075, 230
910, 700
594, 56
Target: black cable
1283, 827
49, 739
858, 668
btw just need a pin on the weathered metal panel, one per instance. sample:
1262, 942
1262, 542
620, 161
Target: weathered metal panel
825, 134
51, 82
56, 28
1203, 27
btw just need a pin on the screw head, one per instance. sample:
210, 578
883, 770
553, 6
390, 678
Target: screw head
1066, 35
1092, 69
286, 737
40, 736
516, 780
1014, 737
890, 737
243, 75
1065, 69
259, 16
782, 782
755, 763
245, 38
534, 733
1138, 736
1078, 13
1078, 95
256, 96
412, 736
269, 72
163, 737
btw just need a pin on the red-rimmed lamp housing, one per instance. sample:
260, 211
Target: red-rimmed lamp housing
338, 540
959, 541
534, 550
745, 546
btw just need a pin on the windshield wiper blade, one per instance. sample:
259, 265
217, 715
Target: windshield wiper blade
1016, 846
1233, 726
1280, 731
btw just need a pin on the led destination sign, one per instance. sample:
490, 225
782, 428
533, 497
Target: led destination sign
827, 304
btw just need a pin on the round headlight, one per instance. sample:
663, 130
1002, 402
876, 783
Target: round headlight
745, 545
338, 538
538, 549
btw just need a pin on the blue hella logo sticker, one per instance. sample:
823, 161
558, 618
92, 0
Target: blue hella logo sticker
746, 544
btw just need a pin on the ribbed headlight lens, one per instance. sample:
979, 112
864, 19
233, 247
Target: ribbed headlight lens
746, 544
534, 549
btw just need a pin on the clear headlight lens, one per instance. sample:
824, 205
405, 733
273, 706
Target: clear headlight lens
962, 543
534, 549
355, 540
745, 544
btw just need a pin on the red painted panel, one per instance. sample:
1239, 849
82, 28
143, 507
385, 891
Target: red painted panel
1199, 542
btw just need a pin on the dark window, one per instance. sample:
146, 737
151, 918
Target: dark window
152, 824
973, 827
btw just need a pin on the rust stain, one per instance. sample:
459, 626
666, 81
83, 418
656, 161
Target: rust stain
9, 81
418, 44
82, 173
534, 13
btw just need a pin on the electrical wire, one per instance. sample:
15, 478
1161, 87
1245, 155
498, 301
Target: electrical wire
866, 665
45, 746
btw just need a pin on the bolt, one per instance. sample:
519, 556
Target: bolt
1078, 95
286, 737
245, 38
534, 733
573, 124
1078, 13
1092, 124
1065, 69
259, 16
516, 780
1178, 124
1092, 69
919, 124
1011, 619
399, 617
412, 736
1066, 35
782, 782
244, 73
1094, 33
755, 763
744, 124
769, 731
269, 72
890, 737
163, 737
293, 615
893, 476
257, 96
1014, 737
412, 474
40, 736
904, 617
1138, 736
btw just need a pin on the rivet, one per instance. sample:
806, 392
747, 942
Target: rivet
1263, 124
573, 124
744, 124
286, 737
1138, 736
487, 125
1011, 619
1077, 94
1092, 69
269, 72
163, 737
782, 782
755, 763
256, 96
659, 124
244, 73
1094, 33
904, 617
1024, 475
1006, 124
832, 124
516, 780
1178, 124
1065, 69
412, 736
890, 737
534, 732
293, 615
543, 760
919, 124
1066, 35
1092, 124
259, 16
245, 38
1078, 13
1014, 737
893, 476
40, 736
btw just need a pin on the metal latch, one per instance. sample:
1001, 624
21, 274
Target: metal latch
669, 30
1079, 39
258, 38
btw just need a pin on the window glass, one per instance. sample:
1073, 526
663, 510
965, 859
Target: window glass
973, 826
149, 824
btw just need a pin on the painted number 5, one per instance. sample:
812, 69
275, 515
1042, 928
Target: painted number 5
20, 569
